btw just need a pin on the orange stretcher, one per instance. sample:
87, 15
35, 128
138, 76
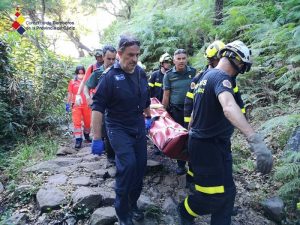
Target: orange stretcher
168, 136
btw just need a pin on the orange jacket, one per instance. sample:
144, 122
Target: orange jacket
73, 89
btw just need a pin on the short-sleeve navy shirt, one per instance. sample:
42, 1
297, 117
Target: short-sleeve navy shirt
209, 120
119, 97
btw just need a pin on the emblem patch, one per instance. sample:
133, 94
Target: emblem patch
227, 83
119, 77
193, 85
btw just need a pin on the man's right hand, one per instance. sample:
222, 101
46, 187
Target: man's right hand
78, 100
264, 159
97, 147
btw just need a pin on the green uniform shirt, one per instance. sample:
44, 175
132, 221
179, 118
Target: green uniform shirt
92, 82
178, 83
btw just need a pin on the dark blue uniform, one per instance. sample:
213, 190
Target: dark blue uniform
210, 152
124, 97
156, 85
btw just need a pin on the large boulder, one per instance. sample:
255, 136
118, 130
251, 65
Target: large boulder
103, 216
50, 198
293, 143
81, 181
86, 197
57, 179
273, 208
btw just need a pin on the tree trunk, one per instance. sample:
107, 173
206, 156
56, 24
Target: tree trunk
218, 12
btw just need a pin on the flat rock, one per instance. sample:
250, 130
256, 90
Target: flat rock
50, 198
103, 216
65, 151
81, 181
86, 197
170, 206
91, 158
273, 208
144, 202
170, 180
55, 165
17, 219
58, 179
91, 166
108, 197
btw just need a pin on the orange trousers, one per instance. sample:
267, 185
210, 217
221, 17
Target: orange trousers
79, 114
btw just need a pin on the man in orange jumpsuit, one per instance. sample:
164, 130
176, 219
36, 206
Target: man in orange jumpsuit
80, 112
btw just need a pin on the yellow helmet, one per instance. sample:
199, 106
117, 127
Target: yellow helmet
165, 57
213, 49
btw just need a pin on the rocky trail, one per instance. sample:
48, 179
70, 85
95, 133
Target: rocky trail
77, 187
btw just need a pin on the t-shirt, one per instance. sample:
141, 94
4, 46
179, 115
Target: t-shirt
92, 82
208, 116
178, 83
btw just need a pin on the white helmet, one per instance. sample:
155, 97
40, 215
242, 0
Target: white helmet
242, 53
165, 57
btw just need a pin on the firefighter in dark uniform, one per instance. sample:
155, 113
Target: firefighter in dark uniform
215, 113
123, 94
109, 57
211, 54
156, 79
176, 82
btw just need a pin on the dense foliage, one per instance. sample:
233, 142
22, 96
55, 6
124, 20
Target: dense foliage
33, 87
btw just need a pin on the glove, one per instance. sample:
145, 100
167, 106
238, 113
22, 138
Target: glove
148, 123
68, 107
78, 100
264, 159
97, 147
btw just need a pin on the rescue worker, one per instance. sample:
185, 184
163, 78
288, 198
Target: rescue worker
211, 54
156, 79
80, 112
109, 57
176, 82
124, 95
99, 62
215, 114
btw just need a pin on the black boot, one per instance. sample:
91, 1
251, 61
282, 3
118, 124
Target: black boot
137, 214
78, 143
87, 137
182, 219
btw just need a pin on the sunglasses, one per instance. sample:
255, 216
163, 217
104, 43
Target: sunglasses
129, 43
180, 51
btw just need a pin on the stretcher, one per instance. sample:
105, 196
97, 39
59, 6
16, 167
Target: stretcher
168, 136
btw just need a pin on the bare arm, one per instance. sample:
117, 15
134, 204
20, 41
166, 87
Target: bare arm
166, 98
82, 84
233, 113
87, 95
97, 118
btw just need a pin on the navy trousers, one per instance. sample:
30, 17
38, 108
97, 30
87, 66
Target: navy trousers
131, 163
214, 186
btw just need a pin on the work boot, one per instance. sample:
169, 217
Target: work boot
180, 170
78, 143
87, 137
182, 219
127, 221
137, 214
